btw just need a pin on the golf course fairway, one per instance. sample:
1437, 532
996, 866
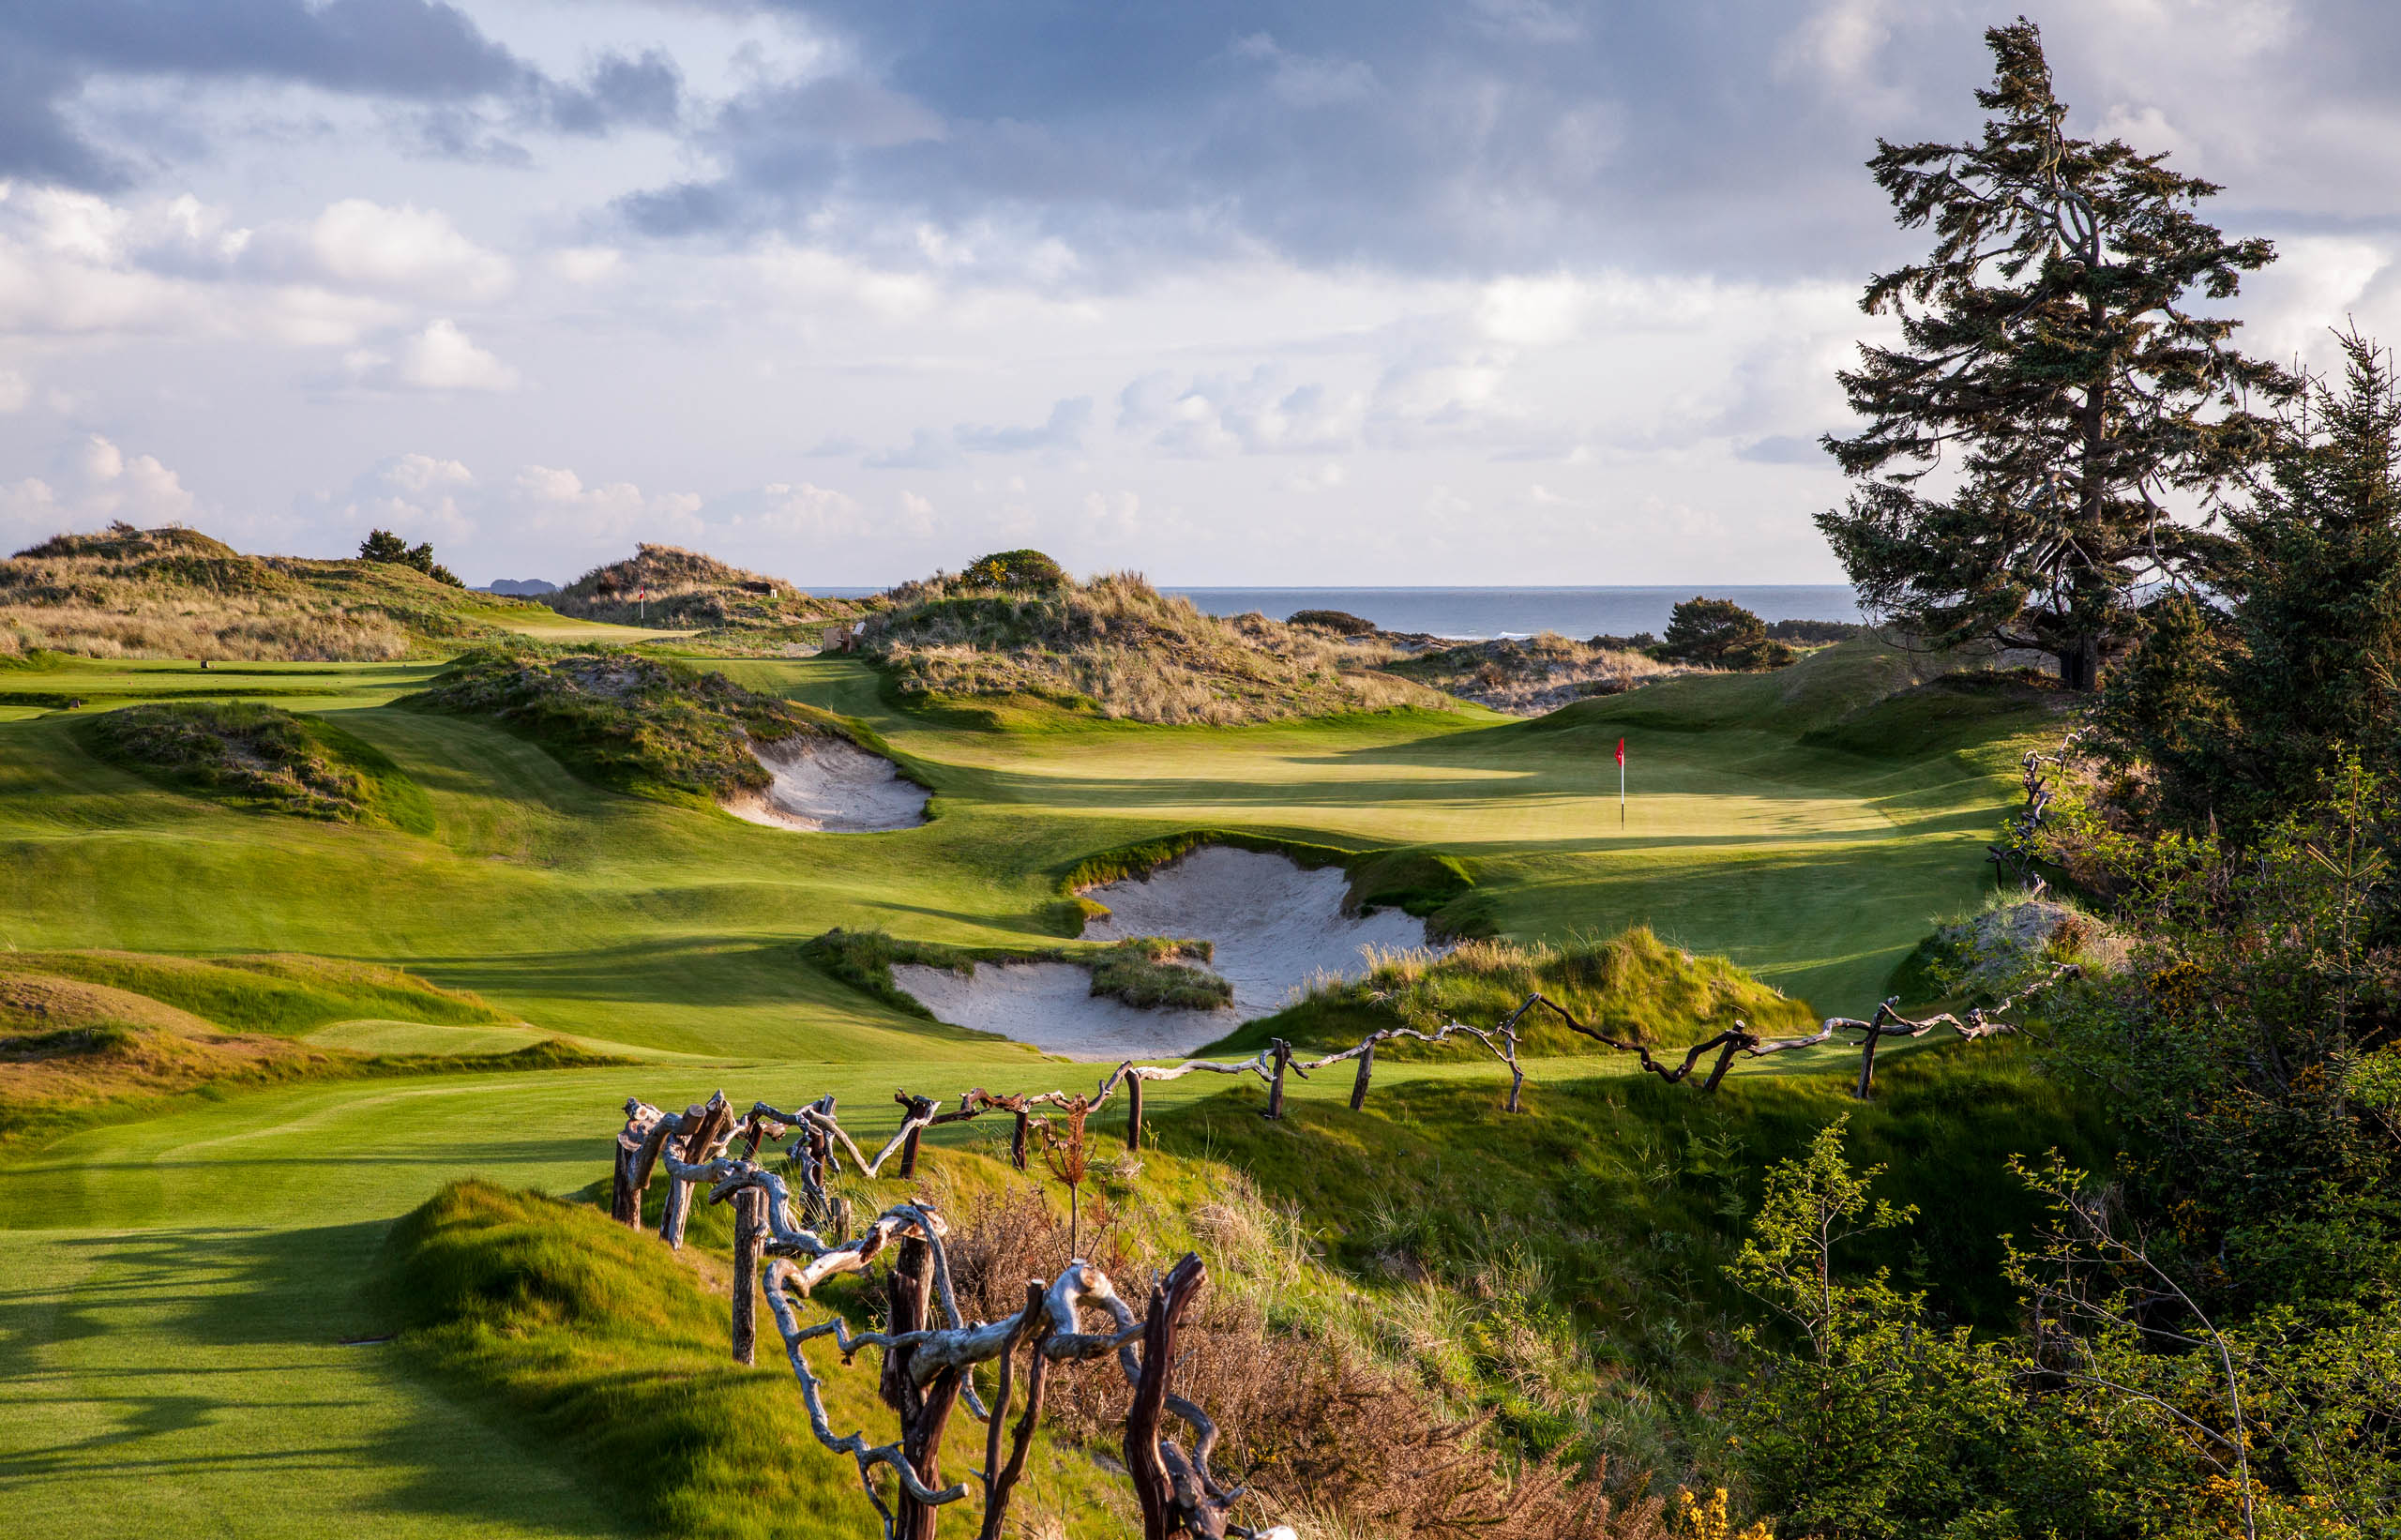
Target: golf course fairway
184, 1340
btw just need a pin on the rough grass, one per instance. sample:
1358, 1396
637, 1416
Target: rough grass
1157, 973
1529, 676
176, 593
651, 727
265, 758
1633, 985
1422, 883
609, 1350
688, 590
281, 995
1114, 647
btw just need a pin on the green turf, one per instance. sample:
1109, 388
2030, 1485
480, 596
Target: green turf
176, 1288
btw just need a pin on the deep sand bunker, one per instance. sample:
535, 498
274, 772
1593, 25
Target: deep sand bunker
831, 786
1274, 926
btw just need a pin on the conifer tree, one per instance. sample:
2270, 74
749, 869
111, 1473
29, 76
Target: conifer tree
2051, 357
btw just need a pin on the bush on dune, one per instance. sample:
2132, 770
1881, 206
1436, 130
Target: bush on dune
1114, 646
669, 586
635, 723
1527, 676
1634, 987
261, 757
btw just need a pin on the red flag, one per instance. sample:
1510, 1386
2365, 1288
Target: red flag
1620, 753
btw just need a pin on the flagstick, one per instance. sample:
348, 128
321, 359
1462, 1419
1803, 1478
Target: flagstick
1620, 793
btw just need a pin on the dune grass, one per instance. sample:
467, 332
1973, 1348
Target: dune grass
252, 755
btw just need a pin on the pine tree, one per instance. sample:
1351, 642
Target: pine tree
2048, 338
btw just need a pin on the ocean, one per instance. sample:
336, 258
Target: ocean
1481, 613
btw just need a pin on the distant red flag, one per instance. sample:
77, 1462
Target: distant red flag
1620, 753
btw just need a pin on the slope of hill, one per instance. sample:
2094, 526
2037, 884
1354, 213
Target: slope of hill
1115, 648
669, 586
176, 593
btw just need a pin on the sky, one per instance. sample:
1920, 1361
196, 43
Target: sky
1341, 292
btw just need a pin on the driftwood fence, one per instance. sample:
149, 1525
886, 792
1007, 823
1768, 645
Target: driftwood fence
928, 1351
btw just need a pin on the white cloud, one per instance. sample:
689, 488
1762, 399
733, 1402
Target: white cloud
415, 250
443, 357
1322, 478
587, 265
95, 483
16, 391
552, 500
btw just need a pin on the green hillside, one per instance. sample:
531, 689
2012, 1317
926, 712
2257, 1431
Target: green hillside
1808, 826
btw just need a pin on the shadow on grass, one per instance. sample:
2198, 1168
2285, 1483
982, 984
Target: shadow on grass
228, 1363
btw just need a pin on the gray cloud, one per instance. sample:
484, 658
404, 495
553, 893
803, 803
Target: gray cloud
1063, 431
646, 91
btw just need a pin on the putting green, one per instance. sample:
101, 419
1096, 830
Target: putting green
177, 1288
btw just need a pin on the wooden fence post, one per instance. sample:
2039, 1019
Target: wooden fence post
924, 1413
1017, 1141
750, 1240
1867, 1063
1367, 1067
911, 1106
1134, 1111
1283, 1051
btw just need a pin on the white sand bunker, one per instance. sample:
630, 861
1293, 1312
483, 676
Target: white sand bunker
1050, 1005
1274, 926
830, 785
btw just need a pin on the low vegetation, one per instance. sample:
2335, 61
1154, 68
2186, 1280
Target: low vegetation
1115, 648
261, 757
670, 587
649, 726
176, 592
1633, 985
1531, 676
1153, 971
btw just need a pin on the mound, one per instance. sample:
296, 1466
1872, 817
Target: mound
176, 592
1115, 648
830, 785
638, 724
263, 757
1529, 676
1634, 987
688, 590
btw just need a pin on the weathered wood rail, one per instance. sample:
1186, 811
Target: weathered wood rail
782, 1244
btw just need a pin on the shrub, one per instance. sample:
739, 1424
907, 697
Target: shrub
1340, 622
1014, 569
1720, 634
381, 545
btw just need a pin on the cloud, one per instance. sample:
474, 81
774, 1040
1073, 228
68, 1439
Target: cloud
1063, 431
16, 391
645, 91
361, 243
412, 50
441, 357
1782, 449
94, 482
420, 496
1261, 412
926, 450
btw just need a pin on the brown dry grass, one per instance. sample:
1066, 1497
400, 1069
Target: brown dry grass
1307, 1420
176, 593
1118, 648
691, 588
1530, 676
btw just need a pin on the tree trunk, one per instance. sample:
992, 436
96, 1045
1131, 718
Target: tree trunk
749, 1238
2080, 663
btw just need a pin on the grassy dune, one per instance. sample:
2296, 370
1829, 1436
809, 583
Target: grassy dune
179, 1289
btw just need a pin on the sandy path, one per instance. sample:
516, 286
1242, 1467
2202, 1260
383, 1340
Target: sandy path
1273, 925
830, 785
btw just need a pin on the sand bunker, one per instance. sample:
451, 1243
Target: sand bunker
831, 786
1274, 926
1050, 1005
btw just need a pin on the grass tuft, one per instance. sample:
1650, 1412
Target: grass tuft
263, 758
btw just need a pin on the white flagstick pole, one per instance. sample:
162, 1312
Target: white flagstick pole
1620, 793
